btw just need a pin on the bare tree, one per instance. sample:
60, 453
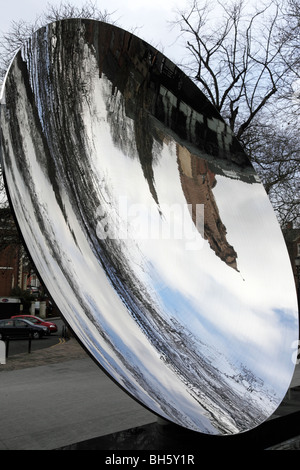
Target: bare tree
20, 31
290, 36
275, 152
234, 56
240, 57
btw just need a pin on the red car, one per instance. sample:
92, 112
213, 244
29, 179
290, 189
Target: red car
39, 321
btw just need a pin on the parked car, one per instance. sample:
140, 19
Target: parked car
39, 321
33, 290
21, 328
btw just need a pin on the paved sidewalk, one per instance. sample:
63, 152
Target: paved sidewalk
57, 397
65, 350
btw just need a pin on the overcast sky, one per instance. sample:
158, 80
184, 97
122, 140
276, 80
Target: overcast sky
150, 16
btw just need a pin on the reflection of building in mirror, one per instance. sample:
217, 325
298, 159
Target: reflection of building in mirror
198, 182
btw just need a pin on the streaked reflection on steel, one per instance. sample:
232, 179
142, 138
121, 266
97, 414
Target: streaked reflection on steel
149, 226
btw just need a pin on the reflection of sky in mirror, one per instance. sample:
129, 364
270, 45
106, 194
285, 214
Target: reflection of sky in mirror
174, 302
248, 306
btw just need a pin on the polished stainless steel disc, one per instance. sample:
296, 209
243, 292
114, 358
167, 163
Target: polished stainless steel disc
148, 226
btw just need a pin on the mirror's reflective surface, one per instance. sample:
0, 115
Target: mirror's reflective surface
148, 226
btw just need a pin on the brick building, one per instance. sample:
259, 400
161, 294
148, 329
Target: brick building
292, 239
11, 272
12, 255
16, 270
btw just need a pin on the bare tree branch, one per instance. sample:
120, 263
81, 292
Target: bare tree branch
233, 60
20, 31
246, 62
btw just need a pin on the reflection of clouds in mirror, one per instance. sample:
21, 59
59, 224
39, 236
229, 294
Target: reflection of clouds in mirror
176, 327
168, 263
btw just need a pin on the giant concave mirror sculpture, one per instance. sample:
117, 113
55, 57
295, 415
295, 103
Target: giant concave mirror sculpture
148, 226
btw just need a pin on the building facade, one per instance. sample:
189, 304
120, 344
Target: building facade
292, 239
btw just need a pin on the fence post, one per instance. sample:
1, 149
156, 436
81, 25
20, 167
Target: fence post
2, 352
